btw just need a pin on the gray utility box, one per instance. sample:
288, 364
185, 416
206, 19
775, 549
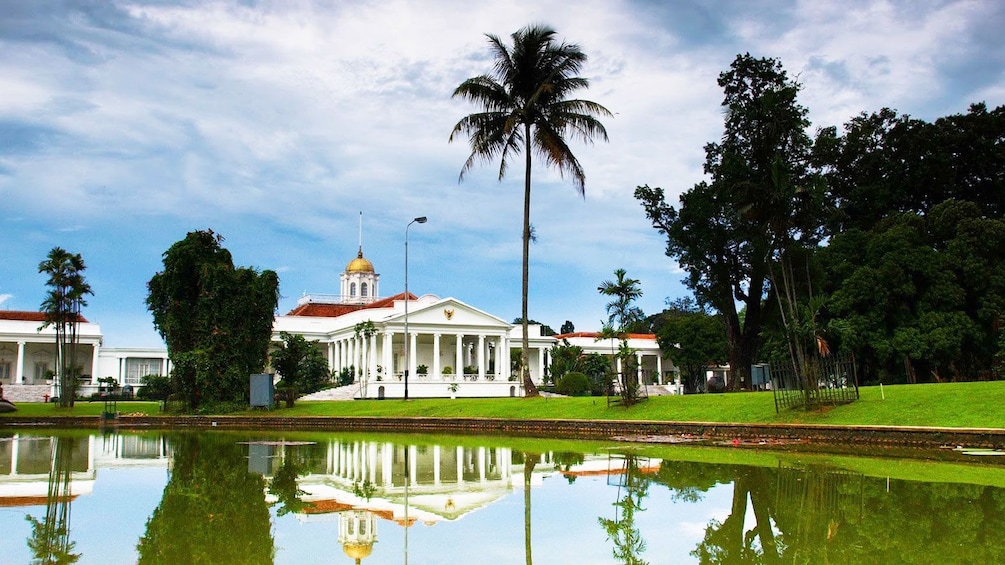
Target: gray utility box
262, 390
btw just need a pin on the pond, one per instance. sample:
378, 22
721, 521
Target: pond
250, 497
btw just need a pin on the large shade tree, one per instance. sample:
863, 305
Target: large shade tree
215, 319
62, 307
737, 232
526, 108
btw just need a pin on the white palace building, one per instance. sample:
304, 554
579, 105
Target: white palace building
454, 349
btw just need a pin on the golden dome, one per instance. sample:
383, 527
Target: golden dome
359, 264
357, 551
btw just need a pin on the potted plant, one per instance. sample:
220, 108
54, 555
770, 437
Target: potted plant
422, 370
452, 387
448, 371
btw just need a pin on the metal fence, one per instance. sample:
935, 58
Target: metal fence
827, 381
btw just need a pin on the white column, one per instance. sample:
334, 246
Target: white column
460, 465
659, 368
388, 465
436, 465
506, 357
500, 374
413, 456
373, 463
619, 365
331, 356
540, 365
19, 370
481, 357
481, 464
437, 374
412, 340
94, 362
372, 362
386, 354
638, 364
459, 368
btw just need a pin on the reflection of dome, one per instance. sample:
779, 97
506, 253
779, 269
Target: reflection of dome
359, 264
357, 551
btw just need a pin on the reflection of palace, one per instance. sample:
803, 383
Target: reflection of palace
362, 483
26, 463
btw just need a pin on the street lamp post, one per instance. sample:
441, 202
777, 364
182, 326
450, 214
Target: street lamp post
408, 362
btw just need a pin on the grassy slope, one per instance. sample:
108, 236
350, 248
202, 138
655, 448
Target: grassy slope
979, 405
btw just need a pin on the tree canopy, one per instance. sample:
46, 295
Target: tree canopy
215, 319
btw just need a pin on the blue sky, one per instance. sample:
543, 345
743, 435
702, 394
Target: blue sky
124, 125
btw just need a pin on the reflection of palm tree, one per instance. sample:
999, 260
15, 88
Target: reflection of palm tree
529, 462
526, 108
627, 538
50, 539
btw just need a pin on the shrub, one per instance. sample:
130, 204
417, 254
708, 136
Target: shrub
573, 384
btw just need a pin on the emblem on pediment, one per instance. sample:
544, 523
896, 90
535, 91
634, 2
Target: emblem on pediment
449, 313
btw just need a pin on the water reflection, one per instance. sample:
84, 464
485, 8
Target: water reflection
632, 481
212, 510
50, 537
226, 498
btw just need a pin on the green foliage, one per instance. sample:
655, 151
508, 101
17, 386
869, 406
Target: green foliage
301, 365
692, 338
525, 107
565, 358
573, 384
62, 308
761, 203
567, 328
920, 297
154, 387
346, 376
216, 319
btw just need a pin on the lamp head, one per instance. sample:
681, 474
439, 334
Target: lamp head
420, 219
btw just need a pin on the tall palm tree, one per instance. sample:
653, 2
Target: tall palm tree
625, 291
62, 308
526, 108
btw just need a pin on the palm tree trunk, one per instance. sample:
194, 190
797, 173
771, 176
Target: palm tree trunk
528, 384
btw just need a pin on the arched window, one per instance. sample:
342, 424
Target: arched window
362, 290
352, 289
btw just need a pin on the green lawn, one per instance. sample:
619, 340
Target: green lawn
976, 405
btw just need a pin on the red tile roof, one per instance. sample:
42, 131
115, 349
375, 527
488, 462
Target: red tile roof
28, 316
319, 310
596, 335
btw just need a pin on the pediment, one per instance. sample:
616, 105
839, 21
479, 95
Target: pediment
450, 312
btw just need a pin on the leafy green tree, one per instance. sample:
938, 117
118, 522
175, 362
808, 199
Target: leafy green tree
693, 339
567, 328
920, 297
526, 107
301, 365
154, 387
761, 204
215, 319
62, 307
884, 163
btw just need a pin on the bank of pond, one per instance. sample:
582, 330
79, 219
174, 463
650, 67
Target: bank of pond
110, 496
